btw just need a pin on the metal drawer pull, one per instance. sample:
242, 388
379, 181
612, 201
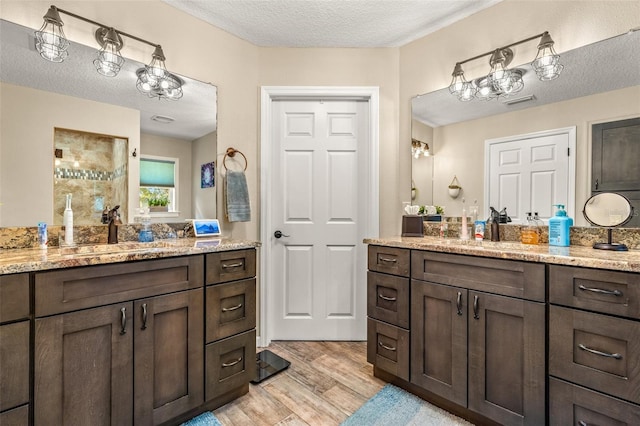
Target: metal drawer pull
581, 423
476, 301
600, 290
232, 363
232, 265
388, 299
144, 317
459, 303
388, 260
123, 320
389, 348
233, 308
596, 352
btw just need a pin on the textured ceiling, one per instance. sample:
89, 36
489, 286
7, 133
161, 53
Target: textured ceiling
330, 23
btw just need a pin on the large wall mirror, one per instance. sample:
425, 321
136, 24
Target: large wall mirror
600, 83
40, 98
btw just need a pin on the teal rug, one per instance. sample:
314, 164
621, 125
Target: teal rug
393, 406
204, 419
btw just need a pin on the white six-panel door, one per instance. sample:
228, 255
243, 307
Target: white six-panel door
318, 286
531, 173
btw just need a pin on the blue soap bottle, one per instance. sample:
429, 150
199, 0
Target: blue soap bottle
559, 227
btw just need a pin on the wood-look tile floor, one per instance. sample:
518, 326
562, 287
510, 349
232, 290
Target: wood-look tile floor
325, 384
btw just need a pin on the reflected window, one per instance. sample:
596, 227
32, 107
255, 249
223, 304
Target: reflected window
158, 183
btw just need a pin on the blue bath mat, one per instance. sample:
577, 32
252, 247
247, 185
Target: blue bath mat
204, 419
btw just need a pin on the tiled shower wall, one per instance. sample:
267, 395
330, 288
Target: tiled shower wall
97, 181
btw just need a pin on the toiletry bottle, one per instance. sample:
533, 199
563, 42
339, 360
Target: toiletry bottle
42, 235
559, 227
67, 221
529, 232
464, 232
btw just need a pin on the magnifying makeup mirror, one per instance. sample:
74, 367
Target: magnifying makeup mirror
608, 210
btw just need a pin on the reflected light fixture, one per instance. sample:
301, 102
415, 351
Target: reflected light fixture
419, 148
154, 80
502, 81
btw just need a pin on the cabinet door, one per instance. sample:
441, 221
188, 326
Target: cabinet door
615, 153
14, 365
507, 359
83, 369
168, 356
439, 340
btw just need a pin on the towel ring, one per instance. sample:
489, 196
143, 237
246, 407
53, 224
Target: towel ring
231, 152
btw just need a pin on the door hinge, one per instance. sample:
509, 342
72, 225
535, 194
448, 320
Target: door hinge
568, 154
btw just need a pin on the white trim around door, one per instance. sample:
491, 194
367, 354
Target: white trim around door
371, 228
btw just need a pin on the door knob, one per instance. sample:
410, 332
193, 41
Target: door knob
279, 234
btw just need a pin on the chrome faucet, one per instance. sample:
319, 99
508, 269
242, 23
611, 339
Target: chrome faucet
112, 218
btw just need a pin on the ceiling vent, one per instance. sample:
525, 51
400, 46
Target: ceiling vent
163, 119
519, 100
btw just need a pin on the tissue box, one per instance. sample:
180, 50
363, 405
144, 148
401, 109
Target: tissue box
412, 226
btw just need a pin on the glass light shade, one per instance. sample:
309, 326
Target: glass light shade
485, 89
51, 42
109, 60
546, 64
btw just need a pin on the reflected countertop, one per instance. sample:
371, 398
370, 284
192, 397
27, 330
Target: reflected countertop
581, 256
29, 260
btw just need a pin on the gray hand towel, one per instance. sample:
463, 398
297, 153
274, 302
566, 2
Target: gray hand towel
237, 197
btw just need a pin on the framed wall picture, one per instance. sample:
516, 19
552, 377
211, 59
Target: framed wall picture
206, 227
207, 175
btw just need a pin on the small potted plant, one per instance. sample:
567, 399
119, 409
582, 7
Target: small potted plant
157, 200
454, 188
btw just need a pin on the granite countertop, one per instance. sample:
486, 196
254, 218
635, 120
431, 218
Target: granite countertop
586, 257
29, 260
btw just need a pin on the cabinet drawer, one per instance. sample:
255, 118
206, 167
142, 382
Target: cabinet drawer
16, 417
570, 404
230, 266
597, 351
389, 260
79, 288
388, 348
388, 298
609, 292
230, 364
14, 365
231, 309
14, 297
506, 277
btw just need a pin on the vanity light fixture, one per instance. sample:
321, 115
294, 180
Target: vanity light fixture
419, 148
153, 80
502, 81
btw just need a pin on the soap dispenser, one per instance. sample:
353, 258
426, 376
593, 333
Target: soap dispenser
529, 233
559, 227
67, 221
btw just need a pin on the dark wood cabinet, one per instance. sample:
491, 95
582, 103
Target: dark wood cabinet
15, 344
168, 356
84, 367
507, 359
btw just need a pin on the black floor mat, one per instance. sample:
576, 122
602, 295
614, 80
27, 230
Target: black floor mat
268, 364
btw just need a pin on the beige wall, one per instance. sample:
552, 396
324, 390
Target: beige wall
204, 199
426, 65
26, 137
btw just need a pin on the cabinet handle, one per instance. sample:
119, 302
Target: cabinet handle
476, 303
597, 184
388, 260
600, 290
144, 317
233, 308
596, 352
232, 265
459, 303
389, 348
123, 320
232, 363
388, 299
581, 423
